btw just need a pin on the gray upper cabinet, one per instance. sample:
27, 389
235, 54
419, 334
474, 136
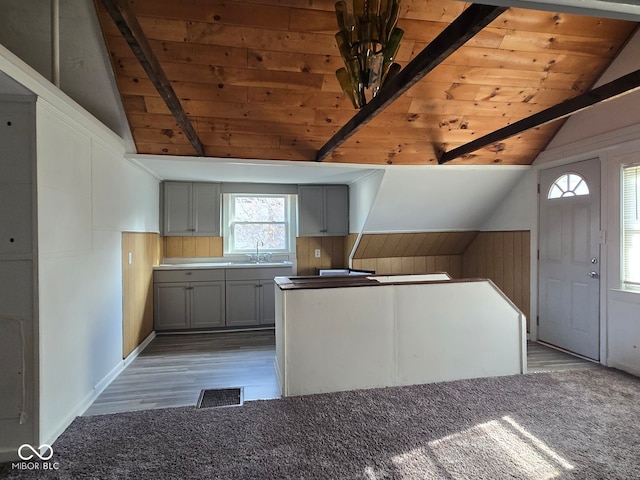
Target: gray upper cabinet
323, 210
191, 209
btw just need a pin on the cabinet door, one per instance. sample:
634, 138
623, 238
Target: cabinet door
310, 211
243, 302
170, 306
206, 209
268, 311
207, 304
177, 209
336, 210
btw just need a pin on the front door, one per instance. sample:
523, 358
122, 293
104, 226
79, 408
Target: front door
569, 264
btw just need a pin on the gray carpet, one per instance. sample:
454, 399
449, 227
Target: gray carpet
572, 424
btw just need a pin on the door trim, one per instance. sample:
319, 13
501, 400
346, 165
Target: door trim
602, 248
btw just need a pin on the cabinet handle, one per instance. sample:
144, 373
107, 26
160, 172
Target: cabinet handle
188, 273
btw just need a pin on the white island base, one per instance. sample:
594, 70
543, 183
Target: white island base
377, 334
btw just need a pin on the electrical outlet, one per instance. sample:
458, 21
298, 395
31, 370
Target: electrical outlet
317, 253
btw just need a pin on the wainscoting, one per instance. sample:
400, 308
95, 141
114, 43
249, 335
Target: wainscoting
332, 254
192, 247
137, 287
503, 257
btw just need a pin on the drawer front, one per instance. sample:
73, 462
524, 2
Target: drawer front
185, 275
258, 273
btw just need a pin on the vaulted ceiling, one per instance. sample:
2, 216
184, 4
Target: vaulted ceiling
257, 80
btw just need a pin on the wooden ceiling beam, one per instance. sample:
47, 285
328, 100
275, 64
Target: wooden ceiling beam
126, 21
464, 27
616, 88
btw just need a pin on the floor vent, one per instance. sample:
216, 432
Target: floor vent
220, 397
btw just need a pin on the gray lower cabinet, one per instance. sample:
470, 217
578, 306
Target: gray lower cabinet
268, 314
207, 304
189, 299
214, 298
251, 296
170, 306
243, 303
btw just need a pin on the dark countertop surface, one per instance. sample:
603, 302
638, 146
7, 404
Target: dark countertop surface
314, 282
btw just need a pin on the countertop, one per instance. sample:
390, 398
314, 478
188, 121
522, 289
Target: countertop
302, 283
215, 265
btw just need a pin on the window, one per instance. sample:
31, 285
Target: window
568, 185
261, 222
631, 226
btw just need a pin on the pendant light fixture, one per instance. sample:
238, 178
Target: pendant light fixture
368, 41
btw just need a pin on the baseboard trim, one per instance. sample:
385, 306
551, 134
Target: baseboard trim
231, 330
100, 387
624, 368
136, 351
7, 456
279, 376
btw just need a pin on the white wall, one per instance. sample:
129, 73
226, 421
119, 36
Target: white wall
621, 311
25, 29
362, 194
416, 333
611, 132
18, 411
610, 122
87, 195
441, 197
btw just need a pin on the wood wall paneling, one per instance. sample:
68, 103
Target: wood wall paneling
413, 244
503, 257
332, 254
452, 264
137, 287
192, 247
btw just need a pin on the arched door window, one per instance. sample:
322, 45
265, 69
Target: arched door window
568, 185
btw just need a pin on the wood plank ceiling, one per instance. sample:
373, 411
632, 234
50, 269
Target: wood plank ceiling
257, 79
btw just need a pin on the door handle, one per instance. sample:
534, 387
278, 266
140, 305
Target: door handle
593, 275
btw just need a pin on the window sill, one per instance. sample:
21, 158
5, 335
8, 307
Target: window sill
625, 294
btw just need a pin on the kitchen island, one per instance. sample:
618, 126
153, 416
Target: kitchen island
345, 333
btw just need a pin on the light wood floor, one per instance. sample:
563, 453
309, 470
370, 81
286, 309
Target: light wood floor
542, 358
173, 370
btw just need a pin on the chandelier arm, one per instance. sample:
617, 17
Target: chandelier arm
468, 23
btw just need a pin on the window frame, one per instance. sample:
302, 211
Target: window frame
568, 192
228, 201
627, 281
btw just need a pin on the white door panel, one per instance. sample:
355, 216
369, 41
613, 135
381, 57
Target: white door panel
569, 244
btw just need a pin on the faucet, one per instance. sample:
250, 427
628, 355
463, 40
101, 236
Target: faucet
258, 243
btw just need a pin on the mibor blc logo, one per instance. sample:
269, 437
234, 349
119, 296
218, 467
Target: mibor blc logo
35, 458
